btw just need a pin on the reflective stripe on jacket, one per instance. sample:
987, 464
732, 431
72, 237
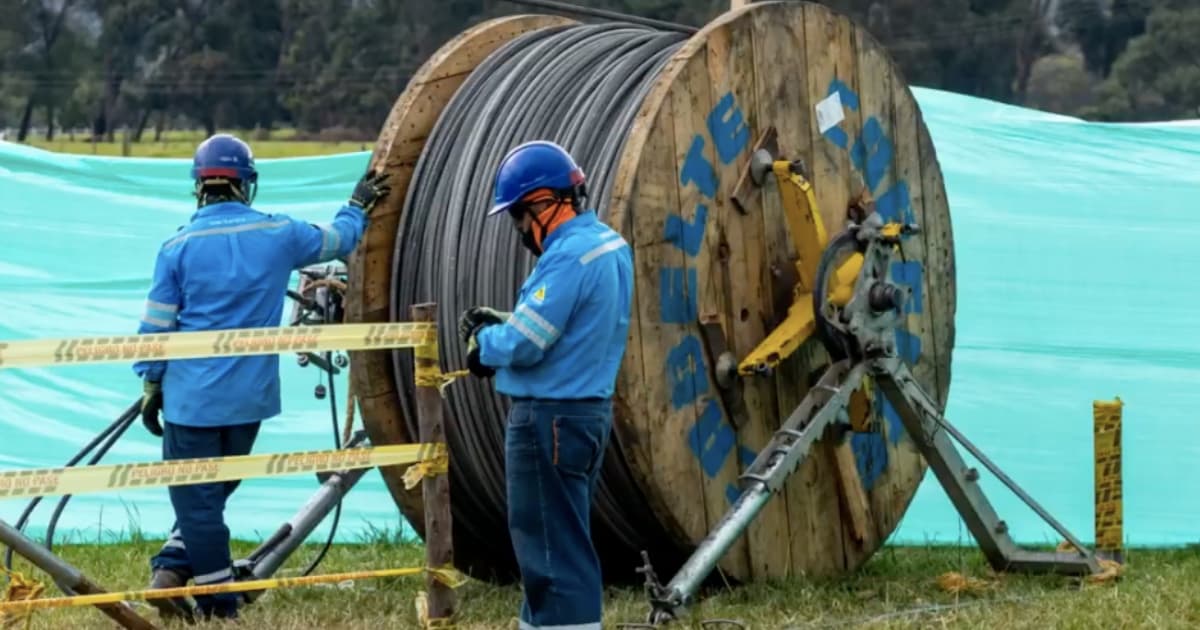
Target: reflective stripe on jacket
568, 331
230, 268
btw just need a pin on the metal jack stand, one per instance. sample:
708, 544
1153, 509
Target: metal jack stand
316, 301
265, 560
857, 326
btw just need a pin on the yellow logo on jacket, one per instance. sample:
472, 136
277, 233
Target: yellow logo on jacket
539, 296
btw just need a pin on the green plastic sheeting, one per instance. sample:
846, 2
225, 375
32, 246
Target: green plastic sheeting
79, 240
1075, 274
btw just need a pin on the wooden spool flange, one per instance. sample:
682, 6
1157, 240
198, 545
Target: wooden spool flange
765, 66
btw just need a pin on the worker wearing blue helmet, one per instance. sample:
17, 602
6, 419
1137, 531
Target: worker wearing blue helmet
229, 267
556, 355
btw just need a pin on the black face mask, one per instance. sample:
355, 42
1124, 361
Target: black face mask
527, 238
529, 242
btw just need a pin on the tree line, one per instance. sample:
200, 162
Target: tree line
332, 68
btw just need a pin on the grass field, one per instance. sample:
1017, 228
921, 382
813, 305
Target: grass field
177, 144
896, 589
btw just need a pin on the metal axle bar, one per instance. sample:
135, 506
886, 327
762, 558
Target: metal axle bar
606, 15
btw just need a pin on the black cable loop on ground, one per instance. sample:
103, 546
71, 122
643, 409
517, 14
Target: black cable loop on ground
108, 436
580, 86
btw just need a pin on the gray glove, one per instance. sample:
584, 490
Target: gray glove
477, 317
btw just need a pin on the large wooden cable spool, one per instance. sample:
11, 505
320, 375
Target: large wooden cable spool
766, 66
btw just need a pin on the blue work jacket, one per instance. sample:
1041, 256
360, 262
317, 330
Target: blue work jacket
567, 334
230, 268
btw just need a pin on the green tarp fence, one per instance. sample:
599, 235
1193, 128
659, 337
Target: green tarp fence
1076, 274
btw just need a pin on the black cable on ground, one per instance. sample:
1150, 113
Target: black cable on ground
580, 86
119, 425
100, 453
337, 443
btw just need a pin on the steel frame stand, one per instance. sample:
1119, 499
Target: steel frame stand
860, 335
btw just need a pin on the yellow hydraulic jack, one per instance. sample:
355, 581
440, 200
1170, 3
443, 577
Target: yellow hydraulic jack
810, 238
854, 305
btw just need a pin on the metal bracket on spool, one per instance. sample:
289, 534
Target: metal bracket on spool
862, 328
807, 231
725, 369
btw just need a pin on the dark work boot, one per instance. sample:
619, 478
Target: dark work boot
173, 607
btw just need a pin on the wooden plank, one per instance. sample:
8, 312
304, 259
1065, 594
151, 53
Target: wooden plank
899, 197
830, 60
783, 104
643, 397
435, 489
940, 282
874, 156
860, 519
732, 125
671, 373
709, 437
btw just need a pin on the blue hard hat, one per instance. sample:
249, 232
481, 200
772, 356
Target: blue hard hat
224, 155
530, 166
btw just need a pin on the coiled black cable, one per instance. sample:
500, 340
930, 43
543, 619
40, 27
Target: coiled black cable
580, 86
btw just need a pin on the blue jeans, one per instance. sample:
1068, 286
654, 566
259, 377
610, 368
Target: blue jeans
198, 546
553, 451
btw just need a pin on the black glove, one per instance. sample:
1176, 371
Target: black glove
370, 188
473, 364
477, 317
152, 401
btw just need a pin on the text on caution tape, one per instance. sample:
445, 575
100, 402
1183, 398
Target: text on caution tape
214, 343
58, 481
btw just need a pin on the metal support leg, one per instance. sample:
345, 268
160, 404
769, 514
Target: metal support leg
931, 433
824, 405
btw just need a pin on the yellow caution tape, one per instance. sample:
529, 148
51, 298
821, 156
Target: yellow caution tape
214, 343
427, 468
19, 588
1106, 449
430, 376
446, 575
181, 472
421, 603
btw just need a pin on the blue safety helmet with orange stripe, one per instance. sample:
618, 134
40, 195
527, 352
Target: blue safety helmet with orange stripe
225, 161
532, 166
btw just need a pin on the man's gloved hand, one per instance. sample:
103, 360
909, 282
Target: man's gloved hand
370, 188
473, 363
477, 317
152, 401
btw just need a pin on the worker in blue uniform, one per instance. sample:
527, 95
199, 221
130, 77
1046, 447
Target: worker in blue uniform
556, 355
229, 267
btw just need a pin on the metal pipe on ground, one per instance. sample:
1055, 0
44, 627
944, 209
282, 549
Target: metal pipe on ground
69, 579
